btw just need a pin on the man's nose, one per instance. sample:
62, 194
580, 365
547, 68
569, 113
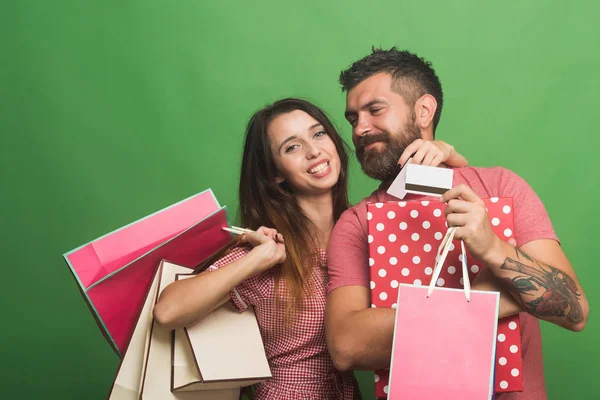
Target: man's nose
363, 127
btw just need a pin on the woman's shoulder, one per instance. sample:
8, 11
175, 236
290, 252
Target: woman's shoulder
235, 254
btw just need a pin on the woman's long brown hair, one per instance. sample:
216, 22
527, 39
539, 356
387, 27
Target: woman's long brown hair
264, 202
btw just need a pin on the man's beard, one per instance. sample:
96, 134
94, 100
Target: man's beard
383, 164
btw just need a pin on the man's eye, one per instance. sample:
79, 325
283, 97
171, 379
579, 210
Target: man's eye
375, 110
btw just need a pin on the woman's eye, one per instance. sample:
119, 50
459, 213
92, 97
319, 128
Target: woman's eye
320, 134
291, 148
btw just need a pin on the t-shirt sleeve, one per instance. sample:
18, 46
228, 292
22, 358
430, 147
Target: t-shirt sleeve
348, 251
531, 218
250, 291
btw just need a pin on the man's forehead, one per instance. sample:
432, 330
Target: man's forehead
375, 87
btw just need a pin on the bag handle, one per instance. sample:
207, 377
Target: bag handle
441, 257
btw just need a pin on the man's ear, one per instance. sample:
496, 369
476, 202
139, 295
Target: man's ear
425, 109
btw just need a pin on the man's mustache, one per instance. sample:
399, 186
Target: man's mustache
366, 140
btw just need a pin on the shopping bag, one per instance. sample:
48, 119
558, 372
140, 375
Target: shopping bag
222, 350
444, 339
402, 238
126, 384
114, 272
155, 381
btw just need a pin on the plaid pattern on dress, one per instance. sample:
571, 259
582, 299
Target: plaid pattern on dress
297, 352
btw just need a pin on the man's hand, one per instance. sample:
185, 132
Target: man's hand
538, 274
467, 212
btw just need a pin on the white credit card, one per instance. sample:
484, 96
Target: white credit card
421, 179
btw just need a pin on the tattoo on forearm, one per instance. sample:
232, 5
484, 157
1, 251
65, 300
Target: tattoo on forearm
556, 293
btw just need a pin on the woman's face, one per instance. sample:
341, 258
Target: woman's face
304, 154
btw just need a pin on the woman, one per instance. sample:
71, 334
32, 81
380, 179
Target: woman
294, 179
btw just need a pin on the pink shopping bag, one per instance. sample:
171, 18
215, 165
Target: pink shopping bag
403, 238
114, 272
444, 340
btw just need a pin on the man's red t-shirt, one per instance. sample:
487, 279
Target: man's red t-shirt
348, 253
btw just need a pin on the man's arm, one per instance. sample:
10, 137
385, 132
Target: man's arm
358, 337
541, 279
485, 280
538, 274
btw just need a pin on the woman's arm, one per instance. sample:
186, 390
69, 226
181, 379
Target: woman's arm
188, 300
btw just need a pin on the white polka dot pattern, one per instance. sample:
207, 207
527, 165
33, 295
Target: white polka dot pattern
410, 234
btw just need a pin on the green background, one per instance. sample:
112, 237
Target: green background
111, 110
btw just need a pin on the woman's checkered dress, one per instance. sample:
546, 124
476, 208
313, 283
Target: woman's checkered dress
297, 352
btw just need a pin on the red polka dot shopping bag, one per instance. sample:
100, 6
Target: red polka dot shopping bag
403, 241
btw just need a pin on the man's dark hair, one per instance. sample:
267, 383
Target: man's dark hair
412, 76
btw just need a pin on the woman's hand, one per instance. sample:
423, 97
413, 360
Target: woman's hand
268, 245
432, 153
185, 301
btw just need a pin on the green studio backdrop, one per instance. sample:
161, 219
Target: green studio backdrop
111, 110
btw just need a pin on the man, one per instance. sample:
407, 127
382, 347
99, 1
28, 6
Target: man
393, 98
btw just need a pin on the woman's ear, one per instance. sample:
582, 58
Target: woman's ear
279, 179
